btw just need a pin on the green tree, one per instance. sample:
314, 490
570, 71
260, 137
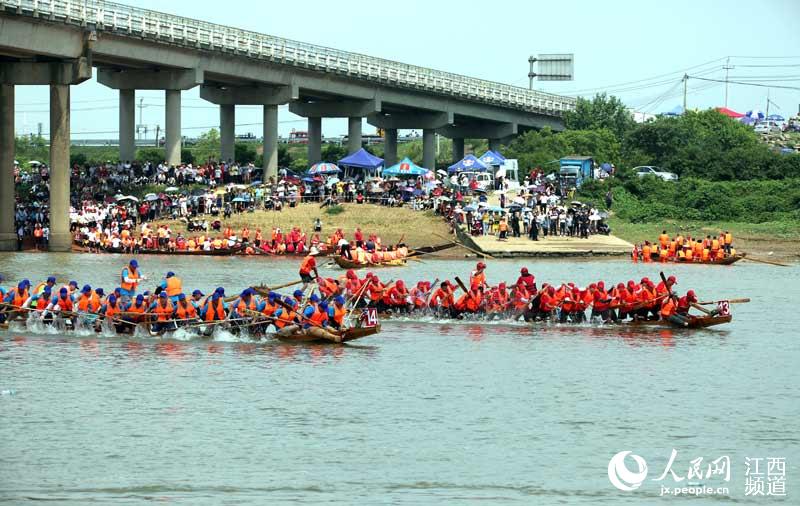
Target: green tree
207, 147
544, 148
602, 111
244, 152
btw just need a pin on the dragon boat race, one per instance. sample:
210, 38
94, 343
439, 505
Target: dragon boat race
373, 282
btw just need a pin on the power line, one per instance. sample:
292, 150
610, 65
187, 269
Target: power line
610, 86
746, 84
47, 134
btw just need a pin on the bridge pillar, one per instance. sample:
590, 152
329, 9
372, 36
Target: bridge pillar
170, 80
314, 139
429, 149
227, 132
8, 235
60, 238
270, 141
494, 144
458, 148
390, 147
353, 134
127, 125
59, 75
172, 126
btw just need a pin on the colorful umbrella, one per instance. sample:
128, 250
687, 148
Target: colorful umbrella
324, 168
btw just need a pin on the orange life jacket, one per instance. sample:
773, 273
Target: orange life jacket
269, 308
42, 302
164, 313
112, 309
339, 314
19, 297
239, 304
307, 264
318, 318
64, 303
88, 303
174, 286
285, 318
213, 313
132, 274
668, 308
183, 313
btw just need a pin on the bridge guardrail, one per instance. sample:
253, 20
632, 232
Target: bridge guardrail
167, 28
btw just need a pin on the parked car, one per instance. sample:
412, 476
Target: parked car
767, 127
650, 170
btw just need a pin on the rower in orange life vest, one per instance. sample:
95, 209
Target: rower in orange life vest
395, 297
135, 310
471, 301
163, 310
527, 280
185, 312
51, 281
87, 302
130, 279
269, 306
314, 315
662, 289
286, 317
677, 309
337, 312
214, 308
243, 304
173, 285
309, 265
442, 299
17, 296
62, 302
478, 276
39, 302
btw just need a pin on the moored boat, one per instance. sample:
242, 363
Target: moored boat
350, 264
725, 261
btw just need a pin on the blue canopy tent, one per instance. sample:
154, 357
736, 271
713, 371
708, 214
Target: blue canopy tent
324, 168
362, 159
468, 163
405, 168
492, 158
675, 111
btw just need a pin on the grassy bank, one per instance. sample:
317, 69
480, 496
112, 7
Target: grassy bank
415, 227
777, 237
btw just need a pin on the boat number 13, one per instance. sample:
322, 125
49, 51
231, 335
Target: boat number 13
723, 308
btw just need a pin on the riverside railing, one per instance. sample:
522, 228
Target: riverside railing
124, 20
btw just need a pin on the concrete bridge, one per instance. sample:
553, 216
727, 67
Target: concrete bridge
59, 43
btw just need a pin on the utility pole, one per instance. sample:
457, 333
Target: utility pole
727, 68
685, 81
766, 115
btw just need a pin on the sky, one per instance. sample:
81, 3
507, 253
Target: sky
637, 50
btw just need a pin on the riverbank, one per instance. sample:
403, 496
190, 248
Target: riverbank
776, 240
392, 224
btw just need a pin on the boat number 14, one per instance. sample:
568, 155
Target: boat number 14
369, 318
723, 308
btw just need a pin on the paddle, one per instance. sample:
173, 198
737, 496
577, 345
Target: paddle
729, 301
701, 308
480, 253
668, 287
762, 261
461, 284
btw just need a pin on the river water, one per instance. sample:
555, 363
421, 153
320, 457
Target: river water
425, 412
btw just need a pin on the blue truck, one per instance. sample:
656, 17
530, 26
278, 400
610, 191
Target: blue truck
574, 171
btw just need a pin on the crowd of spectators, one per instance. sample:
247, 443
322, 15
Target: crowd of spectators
100, 196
